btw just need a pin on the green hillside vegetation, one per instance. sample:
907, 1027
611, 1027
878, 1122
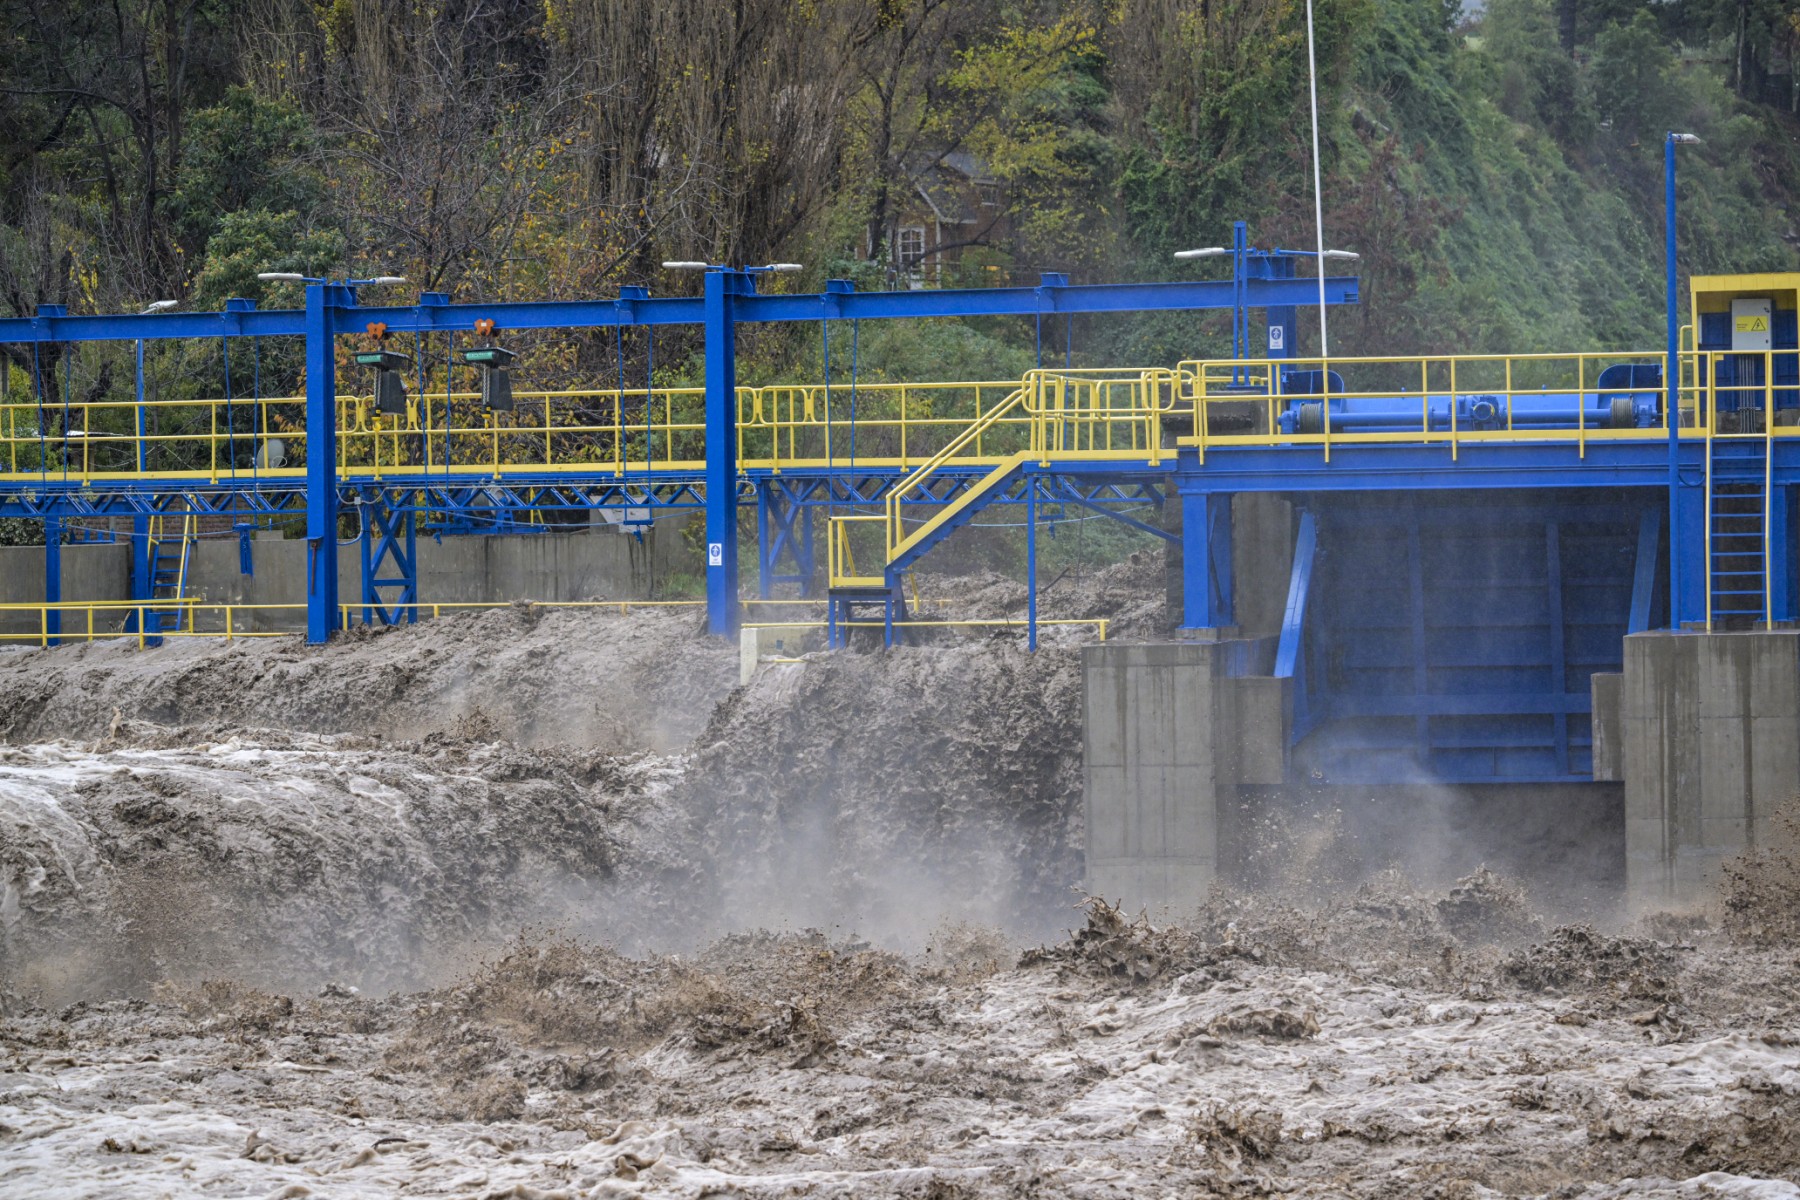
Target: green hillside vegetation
1500, 174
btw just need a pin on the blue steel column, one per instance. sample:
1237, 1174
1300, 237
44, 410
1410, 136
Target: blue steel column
143, 461
366, 553
765, 542
1781, 560
142, 569
321, 460
721, 450
1205, 561
53, 530
1687, 550
1031, 628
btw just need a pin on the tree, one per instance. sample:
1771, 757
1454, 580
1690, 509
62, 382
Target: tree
1631, 75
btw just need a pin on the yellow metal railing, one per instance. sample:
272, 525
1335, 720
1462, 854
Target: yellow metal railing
1091, 415
1231, 403
200, 440
106, 620
103, 620
913, 428
1097, 624
1759, 409
840, 558
885, 426
881, 425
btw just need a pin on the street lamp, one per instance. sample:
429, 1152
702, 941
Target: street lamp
1672, 373
143, 457
687, 265
1312, 86
297, 277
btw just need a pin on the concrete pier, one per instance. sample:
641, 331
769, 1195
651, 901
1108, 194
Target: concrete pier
1707, 728
1158, 761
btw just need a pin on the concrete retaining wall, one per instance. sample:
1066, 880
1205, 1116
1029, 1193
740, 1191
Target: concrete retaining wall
587, 565
1157, 761
97, 572
1709, 732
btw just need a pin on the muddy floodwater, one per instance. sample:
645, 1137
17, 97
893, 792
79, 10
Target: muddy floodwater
535, 905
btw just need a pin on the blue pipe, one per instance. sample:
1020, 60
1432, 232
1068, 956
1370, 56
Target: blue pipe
1401, 414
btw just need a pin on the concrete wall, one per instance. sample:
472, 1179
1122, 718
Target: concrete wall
600, 563
98, 572
1158, 759
1710, 746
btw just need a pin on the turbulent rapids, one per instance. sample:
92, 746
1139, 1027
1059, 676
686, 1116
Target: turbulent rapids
410, 914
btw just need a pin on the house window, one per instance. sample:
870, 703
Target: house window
990, 194
909, 254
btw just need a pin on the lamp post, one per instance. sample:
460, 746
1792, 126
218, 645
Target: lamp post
1312, 85
143, 459
1672, 374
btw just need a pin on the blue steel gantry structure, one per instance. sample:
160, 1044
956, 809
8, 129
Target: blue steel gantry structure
784, 450
1464, 540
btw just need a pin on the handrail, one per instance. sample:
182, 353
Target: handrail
231, 616
188, 527
897, 494
1099, 624
840, 563
1513, 388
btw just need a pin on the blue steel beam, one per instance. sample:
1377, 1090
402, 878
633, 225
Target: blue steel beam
127, 327
349, 318
1030, 301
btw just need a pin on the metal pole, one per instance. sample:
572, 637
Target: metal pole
142, 461
1671, 383
1031, 606
721, 451
53, 533
322, 614
1312, 82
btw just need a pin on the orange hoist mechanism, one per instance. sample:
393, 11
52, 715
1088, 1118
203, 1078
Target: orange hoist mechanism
495, 363
390, 386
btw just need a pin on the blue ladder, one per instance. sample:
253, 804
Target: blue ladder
1738, 541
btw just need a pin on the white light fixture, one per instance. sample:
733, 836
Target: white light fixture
685, 266
1684, 139
1208, 252
281, 277
380, 279
1341, 254
782, 267
158, 306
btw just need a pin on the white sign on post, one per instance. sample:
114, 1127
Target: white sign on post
715, 554
1277, 337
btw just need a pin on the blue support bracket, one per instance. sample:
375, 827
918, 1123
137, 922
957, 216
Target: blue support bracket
389, 542
1643, 576
246, 557
784, 529
1293, 620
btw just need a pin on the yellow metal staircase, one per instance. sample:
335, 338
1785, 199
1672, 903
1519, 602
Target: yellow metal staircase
1073, 416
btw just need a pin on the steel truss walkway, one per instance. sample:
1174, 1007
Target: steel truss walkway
788, 450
